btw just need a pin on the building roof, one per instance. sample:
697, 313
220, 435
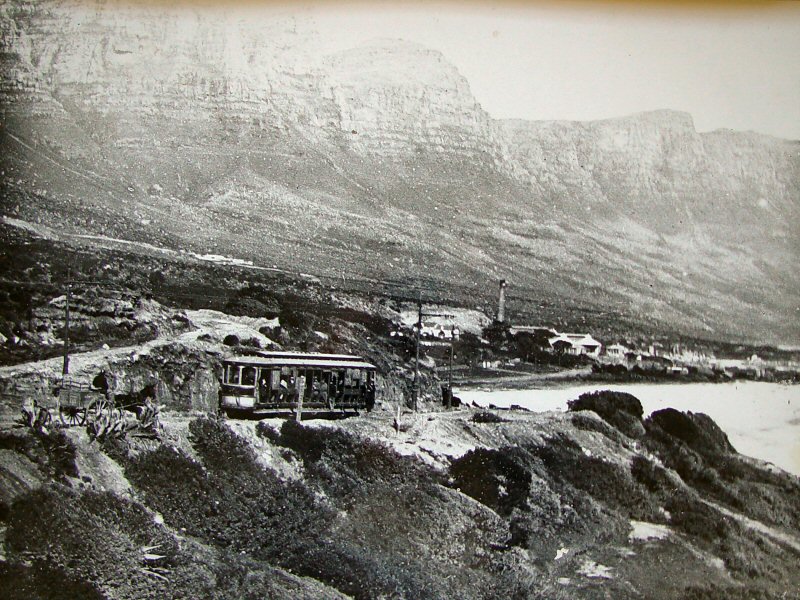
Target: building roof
576, 339
617, 347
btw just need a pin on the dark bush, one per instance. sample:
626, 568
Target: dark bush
231, 340
249, 307
296, 319
40, 581
229, 500
653, 477
486, 416
53, 451
60, 454
496, 478
697, 519
716, 592
381, 492
587, 423
344, 464
253, 300
268, 433
232, 502
607, 402
91, 537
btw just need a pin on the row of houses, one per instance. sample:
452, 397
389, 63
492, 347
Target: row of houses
563, 343
578, 344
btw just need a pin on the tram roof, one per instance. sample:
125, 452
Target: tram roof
297, 359
314, 355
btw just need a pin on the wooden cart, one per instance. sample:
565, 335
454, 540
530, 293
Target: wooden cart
77, 400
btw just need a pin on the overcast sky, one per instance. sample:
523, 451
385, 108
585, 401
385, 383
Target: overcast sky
730, 68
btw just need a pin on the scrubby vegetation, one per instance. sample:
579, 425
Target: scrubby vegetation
50, 449
486, 416
344, 514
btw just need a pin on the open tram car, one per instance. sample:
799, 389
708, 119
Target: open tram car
278, 382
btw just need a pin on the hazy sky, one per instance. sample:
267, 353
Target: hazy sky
730, 68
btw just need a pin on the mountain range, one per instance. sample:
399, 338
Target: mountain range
209, 131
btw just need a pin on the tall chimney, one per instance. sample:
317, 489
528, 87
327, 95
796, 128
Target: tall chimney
501, 306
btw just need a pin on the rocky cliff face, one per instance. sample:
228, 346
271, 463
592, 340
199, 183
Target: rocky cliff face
225, 134
657, 167
398, 98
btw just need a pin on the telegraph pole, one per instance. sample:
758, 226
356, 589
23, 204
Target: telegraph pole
65, 370
415, 391
420, 314
450, 376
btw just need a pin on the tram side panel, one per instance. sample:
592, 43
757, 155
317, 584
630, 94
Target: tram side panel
249, 388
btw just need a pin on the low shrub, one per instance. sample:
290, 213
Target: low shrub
51, 449
608, 483
587, 423
496, 478
343, 464
92, 537
653, 477
231, 340
37, 580
486, 416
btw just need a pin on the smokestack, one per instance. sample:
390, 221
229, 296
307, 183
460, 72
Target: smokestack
501, 306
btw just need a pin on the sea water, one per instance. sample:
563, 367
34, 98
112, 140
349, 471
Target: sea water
761, 419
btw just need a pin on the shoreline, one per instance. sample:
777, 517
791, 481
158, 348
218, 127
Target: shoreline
571, 377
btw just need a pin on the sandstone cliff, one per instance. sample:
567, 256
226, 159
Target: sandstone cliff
220, 133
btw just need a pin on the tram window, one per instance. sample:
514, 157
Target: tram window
276, 379
233, 374
249, 376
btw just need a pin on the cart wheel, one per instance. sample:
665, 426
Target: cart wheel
96, 409
71, 416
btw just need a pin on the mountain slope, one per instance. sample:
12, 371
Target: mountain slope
212, 132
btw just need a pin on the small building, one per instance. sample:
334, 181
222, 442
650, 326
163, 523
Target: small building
439, 331
617, 351
576, 344
533, 330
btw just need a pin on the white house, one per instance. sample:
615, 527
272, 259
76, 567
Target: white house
576, 343
437, 330
617, 351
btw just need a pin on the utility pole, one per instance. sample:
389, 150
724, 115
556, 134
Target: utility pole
420, 314
415, 391
450, 378
454, 333
65, 370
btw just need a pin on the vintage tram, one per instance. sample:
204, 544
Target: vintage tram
269, 383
